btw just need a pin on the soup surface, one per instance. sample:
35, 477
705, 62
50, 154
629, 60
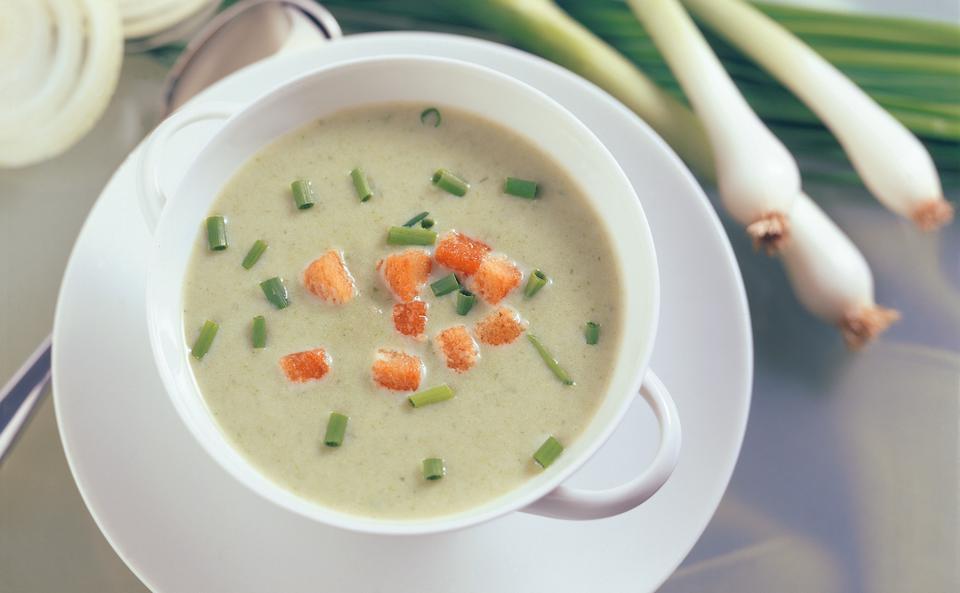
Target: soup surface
504, 406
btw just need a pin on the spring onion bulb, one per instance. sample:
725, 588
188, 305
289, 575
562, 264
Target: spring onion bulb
59, 65
757, 177
892, 162
830, 276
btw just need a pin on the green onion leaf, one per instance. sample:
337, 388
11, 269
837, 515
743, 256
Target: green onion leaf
548, 452
433, 395
450, 183
360, 184
431, 114
551, 362
433, 468
216, 233
536, 281
259, 333
445, 285
275, 292
336, 428
465, 301
256, 250
427, 223
207, 333
416, 219
303, 195
401, 235
521, 188
592, 332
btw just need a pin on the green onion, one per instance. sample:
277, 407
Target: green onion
433, 468
216, 233
450, 183
416, 219
207, 333
427, 223
303, 195
360, 184
275, 292
259, 332
336, 428
431, 113
401, 235
592, 332
433, 395
550, 360
548, 452
465, 301
256, 250
445, 285
521, 188
536, 281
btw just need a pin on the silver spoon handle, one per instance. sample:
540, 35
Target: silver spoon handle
21, 394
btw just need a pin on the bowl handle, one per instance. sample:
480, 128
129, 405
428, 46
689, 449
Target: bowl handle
152, 197
565, 502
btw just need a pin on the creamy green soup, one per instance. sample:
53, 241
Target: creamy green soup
504, 407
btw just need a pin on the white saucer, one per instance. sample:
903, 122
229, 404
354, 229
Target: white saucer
182, 524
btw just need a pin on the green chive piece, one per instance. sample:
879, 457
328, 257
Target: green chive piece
427, 223
550, 360
401, 235
259, 332
207, 333
465, 301
592, 332
336, 428
216, 233
275, 292
431, 114
536, 281
433, 468
303, 195
450, 183
256, 250
433, 395
416, 219
548, 452
360, 184
521, 188
445, 285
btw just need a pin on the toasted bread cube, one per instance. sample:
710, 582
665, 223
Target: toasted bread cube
328, 278
410, 319
460, 253
495, 278
458, 348
397, 370
310, 365
502, 326
406, 272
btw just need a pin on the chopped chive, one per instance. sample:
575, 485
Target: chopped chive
427, 223
256, 250
336, 428
433, 468
550, 360
592, 332
303, 195
216, 233
465, 301
275, 292
445, 285
416, 219
450, 183
521, 188
259, 332
536, 281
360, 184
401, 235
433, 395
431, 113
207, 333
548, 452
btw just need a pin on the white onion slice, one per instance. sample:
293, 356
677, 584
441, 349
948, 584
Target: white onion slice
59, 65
142, 18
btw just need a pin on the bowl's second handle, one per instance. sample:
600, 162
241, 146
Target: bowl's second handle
571, 503
151, 194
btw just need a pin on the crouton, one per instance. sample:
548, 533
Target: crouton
406, 272
458, 348
397, 370
310, 365
495, 278
502, 326
328, 278
460, 253
410, 319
